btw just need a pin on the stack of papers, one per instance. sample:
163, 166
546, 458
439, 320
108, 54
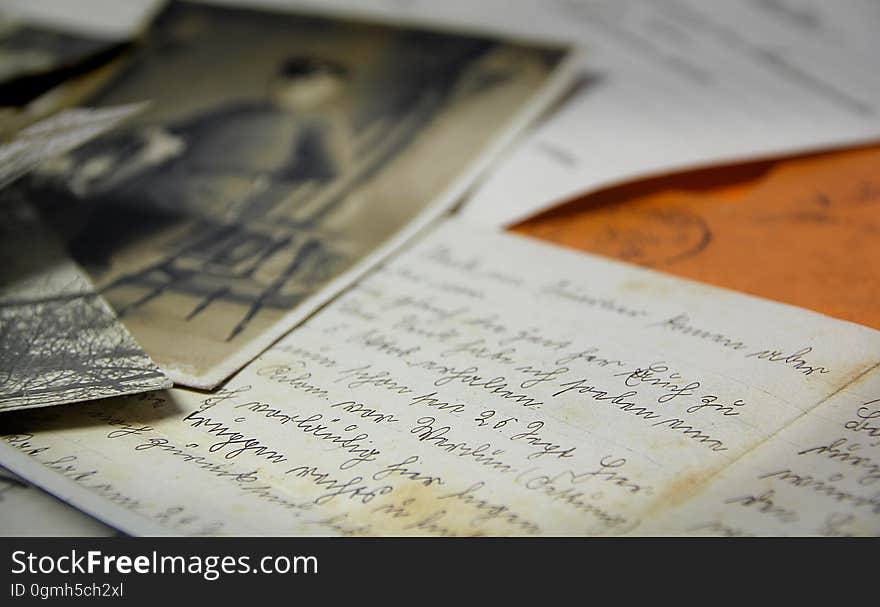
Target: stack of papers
257, 209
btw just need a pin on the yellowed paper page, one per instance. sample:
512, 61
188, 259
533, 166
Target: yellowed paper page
818, 477
481, 383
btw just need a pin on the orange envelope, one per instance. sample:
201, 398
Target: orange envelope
804, 231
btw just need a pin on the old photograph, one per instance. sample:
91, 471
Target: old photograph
278, 152
59, 340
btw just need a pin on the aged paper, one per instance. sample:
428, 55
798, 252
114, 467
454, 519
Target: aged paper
480, 383
820, 476
226, 215
59, 340
56, 135
801, 231
26, 512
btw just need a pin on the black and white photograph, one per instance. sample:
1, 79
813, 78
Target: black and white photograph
331, 295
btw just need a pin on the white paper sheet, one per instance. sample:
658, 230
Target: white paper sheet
684, 84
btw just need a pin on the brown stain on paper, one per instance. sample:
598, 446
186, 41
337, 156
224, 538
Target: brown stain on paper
678, 491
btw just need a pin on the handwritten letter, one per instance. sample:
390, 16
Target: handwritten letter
481, 383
